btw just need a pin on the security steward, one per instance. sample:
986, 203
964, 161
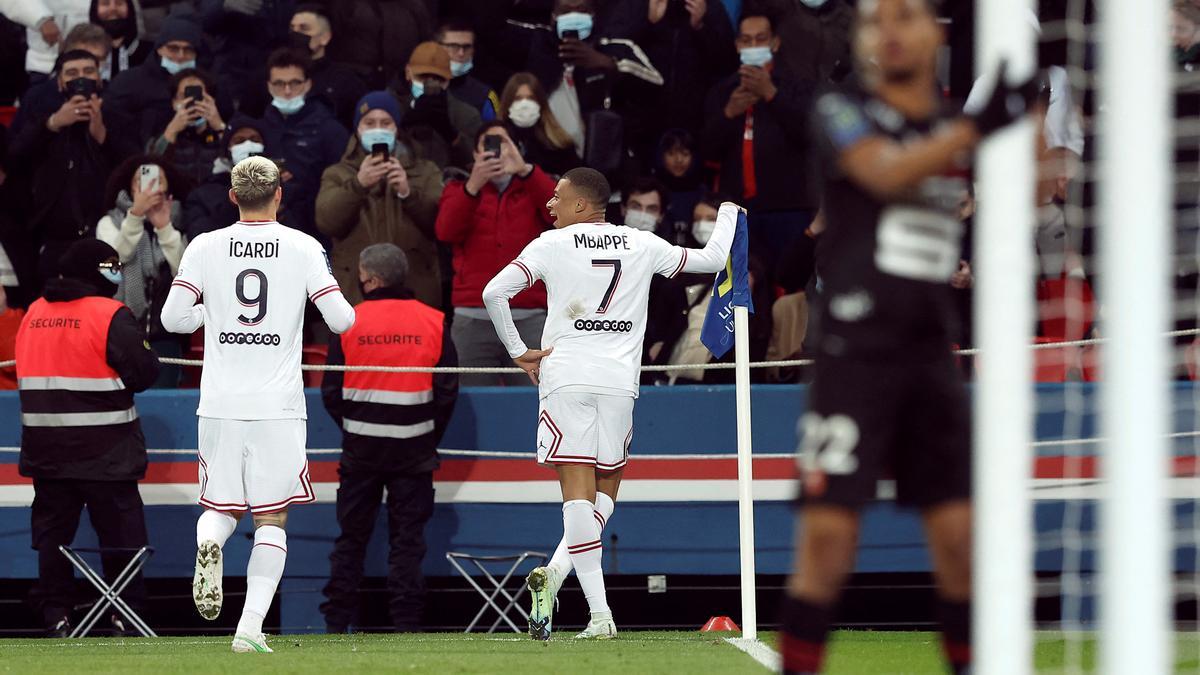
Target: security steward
391, 425
80, 357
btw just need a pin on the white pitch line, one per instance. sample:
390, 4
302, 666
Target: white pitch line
755, 649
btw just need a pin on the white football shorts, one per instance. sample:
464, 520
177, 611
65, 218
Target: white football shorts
254, 465
583, 428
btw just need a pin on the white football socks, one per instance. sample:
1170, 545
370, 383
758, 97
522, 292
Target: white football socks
582, 534
561, 560
262, 576
215, 526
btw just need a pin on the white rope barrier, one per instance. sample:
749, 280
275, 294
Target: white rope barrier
168, 360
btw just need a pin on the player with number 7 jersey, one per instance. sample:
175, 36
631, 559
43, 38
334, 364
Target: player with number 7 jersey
597, 278
248, 285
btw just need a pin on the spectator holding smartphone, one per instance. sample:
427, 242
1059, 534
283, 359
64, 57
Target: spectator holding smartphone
70, 153
381, 192
193, 138
144, 198
488, 219
534, 128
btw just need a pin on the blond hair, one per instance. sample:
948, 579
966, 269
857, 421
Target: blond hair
254, 181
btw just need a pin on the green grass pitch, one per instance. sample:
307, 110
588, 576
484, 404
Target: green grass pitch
634, 653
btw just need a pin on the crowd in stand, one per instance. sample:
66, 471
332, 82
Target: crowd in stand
438, 125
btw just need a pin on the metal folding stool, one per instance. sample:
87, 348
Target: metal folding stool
499, 585
110, 596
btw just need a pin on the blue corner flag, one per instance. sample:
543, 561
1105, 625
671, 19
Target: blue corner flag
730, 289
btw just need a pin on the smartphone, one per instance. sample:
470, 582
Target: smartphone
195, 92
148, 175
379, 151
82, 86
570, 35
492, 143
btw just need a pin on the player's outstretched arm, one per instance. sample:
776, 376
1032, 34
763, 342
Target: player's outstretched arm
507, 283
181, 313
712, 257
336, 310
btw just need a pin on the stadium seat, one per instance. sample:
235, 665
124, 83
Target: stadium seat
191, 374
314, 355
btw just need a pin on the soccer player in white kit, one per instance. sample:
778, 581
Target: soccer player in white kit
249, 284
597, 278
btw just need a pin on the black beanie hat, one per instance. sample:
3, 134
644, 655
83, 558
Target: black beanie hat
82, 261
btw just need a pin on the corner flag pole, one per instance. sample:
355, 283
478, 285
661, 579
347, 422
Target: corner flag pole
741, 347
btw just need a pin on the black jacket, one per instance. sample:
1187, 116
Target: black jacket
785, 166
139, 101
116, 452
552, 160
476, 94
68, 170
308, 142
208, 208
376, 37
409, 456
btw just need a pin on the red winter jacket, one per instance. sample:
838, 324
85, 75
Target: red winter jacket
488, 231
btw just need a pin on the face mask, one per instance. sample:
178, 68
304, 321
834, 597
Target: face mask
197, 123
501, 182
173, 67
114, 27
245, 149
640, 220
755, 56
524, 113
418, 89
814, 4
288, 106
114, 276
459, 69
298, 40
702, 230
371, 137
577, 21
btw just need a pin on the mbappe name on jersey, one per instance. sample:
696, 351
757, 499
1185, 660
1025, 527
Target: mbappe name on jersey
253, 249
613, 241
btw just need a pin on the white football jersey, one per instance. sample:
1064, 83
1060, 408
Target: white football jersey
598, 281
254, 279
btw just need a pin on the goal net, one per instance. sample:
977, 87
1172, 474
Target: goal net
1088, 543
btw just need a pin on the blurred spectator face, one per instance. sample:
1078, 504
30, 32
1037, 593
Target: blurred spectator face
427, 83
76, 69
460, 45
109, 10
755, 41
181, 99
317, 31
1183, 30
501, 133
574, 15
100, 51
900, 36
704, 221
525, 111
643, 210
677, 161
245, 142
180, 52
288, 83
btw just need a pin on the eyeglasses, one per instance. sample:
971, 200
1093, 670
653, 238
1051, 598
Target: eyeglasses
110, 266
458, 47
287, 85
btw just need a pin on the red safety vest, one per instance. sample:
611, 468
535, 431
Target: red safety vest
391, 333
62, 366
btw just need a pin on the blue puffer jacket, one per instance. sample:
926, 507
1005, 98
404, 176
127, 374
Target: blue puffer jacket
307, 142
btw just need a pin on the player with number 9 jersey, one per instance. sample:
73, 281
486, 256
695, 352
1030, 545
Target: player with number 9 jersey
255, 279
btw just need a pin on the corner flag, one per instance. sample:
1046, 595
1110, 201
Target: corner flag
730, 289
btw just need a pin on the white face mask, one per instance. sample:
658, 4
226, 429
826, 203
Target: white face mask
245, 149
525, 113
702, 230
640, 220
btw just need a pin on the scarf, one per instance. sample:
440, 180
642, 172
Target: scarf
145, 267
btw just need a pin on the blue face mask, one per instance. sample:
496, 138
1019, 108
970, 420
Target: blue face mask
755, 56
288, 106
418, 89
459, 69
814, 4
574, 21
371, 137
173, 67
198, 122
114, 276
